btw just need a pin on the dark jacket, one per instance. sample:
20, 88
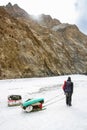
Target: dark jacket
68, 87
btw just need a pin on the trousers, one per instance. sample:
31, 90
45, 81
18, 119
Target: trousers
68, 98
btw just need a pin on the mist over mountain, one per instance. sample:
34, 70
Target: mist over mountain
38, 47
81, 21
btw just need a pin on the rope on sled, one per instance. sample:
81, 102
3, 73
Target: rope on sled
53, 98
51, 103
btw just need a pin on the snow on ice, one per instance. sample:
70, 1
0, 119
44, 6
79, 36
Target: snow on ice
57, 116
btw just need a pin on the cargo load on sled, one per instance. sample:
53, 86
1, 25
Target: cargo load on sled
33, 104
14, 100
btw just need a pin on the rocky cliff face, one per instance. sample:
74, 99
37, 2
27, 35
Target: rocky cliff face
36, 48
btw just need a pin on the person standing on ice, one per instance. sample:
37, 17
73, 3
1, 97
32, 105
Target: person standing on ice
68, 90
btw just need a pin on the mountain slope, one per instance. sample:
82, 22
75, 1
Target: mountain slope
31, 48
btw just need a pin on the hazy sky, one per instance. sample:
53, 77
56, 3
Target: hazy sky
67, 11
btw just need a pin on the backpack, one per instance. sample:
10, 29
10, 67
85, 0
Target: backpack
64, 85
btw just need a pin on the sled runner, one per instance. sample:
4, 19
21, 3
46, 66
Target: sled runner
37, 110
14, 100
31, 105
